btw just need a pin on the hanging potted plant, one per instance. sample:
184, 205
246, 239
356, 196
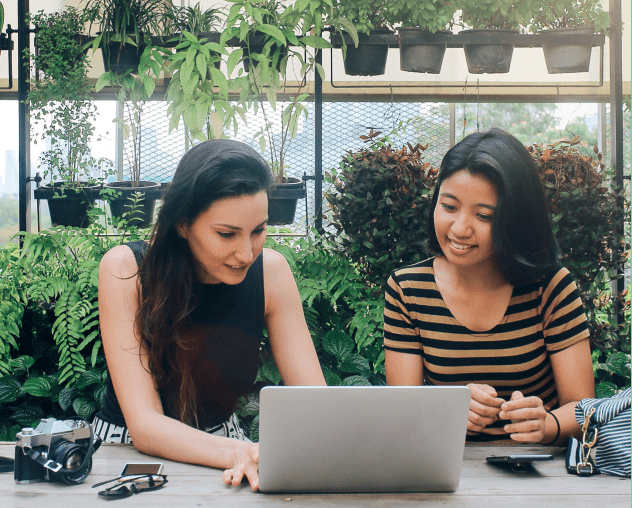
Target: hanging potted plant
260, 27
267, 32
205, 23
424, 29
126, 27
61, 106
561, 25
134, 199
195, 20
487, 43
368, 56
273, 87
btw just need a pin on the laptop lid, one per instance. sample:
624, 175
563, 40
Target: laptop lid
362, 438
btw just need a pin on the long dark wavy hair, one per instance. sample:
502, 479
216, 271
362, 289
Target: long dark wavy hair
210, 171
524, 244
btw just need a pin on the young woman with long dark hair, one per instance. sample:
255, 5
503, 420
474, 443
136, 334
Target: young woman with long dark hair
494, 309
182, 316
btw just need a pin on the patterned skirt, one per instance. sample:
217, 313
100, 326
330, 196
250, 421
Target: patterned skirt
111, 433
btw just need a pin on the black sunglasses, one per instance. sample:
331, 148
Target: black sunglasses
137, 485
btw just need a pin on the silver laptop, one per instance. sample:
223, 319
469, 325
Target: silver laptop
362, 438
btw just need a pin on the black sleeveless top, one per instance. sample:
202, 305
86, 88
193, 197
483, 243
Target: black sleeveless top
223, 340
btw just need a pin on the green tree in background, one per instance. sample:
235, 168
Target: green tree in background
530, 123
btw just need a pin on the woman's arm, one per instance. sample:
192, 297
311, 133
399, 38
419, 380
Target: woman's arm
291, 343
152, 432
403, 368
574, 380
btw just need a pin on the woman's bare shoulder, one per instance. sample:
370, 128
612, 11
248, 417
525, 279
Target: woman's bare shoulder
119, 262
273, 259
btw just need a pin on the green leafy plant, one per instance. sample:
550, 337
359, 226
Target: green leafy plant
586, 211
431, 15
198, 92
365, 15
379, 199
51, 358
568, 14
194, 19
127, 21
617, 364
611, 340
279, 64
134, 90
50, 319
60, 100
499, 14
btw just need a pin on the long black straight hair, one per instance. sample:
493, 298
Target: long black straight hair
210, 171
524, 244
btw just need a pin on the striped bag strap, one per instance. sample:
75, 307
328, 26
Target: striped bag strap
606, 423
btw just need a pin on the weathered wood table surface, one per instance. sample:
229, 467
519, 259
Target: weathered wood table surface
482, 485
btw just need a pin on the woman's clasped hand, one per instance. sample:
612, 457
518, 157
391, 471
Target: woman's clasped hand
527, 414
493, 309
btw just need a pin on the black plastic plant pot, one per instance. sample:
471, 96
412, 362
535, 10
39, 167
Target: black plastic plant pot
68, 206
368, 59
562, 52
120, 58
422, 51
255, 45
486, 58
137, 212
283, 200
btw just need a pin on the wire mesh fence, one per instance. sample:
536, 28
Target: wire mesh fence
342, 125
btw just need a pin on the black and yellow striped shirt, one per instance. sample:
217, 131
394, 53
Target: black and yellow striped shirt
541, 318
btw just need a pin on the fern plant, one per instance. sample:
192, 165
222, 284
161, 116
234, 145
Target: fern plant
51, 359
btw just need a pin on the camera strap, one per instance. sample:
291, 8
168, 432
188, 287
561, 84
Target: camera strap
39, 458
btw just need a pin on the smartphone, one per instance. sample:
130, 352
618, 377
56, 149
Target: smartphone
141, 468
518, 459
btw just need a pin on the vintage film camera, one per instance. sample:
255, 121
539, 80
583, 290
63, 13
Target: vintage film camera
55, 450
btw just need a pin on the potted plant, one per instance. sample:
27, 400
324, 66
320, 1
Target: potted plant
262, 30
134, 196
61, 105
194, 20
368, 57
423, 28
267, 33
204, 23
491, 24
583, 205
379, 197
560, 24
126, 27
281, 56
274, 86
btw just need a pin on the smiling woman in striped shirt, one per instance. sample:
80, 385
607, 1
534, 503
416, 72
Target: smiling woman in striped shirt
494, 309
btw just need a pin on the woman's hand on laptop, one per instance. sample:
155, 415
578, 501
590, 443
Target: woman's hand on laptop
527, 417
245, 463
484, 407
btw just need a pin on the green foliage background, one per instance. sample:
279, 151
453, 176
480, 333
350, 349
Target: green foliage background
51, 359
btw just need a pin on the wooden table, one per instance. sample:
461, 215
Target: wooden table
481, 485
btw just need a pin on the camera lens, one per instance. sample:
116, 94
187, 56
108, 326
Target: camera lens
71, 456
